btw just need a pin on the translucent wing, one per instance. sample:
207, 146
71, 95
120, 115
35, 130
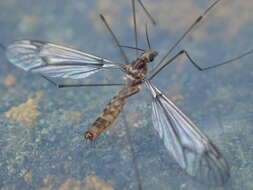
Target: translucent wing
192, 150
54, 60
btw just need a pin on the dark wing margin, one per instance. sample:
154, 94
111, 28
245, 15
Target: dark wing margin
193, 150
55, 60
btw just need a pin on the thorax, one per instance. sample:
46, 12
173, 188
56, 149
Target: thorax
136, 71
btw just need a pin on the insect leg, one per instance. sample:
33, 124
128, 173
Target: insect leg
216, 65
49, 80
167, 63
135, 27
88, 85
135, 162
115, 39
147, 13
79, 85
184, 52
185, 34
130, 47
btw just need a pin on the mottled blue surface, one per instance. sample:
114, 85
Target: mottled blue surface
220, 101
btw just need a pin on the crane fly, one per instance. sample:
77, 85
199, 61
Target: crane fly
192, 149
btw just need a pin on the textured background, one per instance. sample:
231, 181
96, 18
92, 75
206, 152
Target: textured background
41, 127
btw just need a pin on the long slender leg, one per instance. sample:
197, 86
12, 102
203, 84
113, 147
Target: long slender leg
129, 139
79, 85
216, 65
184, 52
135, 162
185, 34
135, 27
135, 24
167, 63
49, 80
130, 47
114, 38
147, 13
88, 85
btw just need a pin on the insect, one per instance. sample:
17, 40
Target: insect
193, 150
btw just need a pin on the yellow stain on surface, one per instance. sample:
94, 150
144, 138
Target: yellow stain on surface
50, 181
71, 184
95, 183
89, 183
28, 177
134, 118
9, 81
73, 116
28, 112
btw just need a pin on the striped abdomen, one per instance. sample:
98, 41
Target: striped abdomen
110, 113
